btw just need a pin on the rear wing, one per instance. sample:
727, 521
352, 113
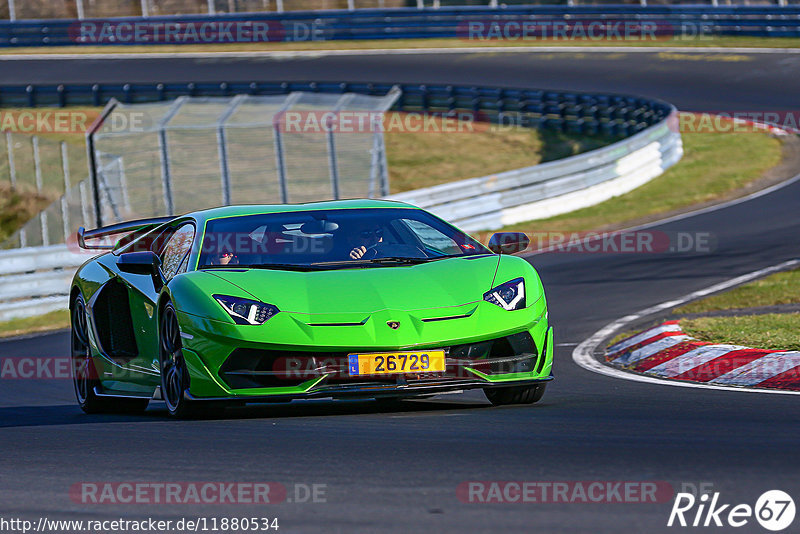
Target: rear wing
133, 229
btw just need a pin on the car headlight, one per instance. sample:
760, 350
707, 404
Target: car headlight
245, 311
509, 296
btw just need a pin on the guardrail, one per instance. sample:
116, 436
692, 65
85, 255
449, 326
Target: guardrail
577, 112
404, 23
35, 280
149, 8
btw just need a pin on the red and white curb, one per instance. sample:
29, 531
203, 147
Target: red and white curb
588, 352
666, 351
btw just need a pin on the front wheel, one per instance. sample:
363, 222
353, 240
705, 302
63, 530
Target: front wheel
174, 374
515, 394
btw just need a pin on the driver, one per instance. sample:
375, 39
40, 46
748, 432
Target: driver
364, 240
225, 258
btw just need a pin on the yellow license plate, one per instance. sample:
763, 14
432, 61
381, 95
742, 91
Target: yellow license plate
390, 363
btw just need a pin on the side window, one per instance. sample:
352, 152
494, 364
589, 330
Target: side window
432, 238
176, 249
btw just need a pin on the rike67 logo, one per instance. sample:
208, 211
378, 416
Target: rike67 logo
774, 510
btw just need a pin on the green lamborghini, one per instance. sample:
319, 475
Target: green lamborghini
345, 299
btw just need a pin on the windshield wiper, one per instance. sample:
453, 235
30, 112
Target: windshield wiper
387, 260
400, 259
374, 261
272, 266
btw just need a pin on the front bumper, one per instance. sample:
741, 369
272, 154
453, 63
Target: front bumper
225, 365
364, 391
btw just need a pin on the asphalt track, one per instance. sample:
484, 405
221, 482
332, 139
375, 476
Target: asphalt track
397, 470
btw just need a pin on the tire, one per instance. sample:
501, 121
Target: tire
174, 374
515, 395
84, 373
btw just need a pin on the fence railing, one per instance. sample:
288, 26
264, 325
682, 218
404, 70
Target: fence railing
34, 281
650, 22
217, 151
46, 167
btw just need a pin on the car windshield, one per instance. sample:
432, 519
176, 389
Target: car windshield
329, 239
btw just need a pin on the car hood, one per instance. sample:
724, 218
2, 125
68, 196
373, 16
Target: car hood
439, 284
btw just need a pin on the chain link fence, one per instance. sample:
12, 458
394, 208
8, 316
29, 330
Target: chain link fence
43, 167
173, 157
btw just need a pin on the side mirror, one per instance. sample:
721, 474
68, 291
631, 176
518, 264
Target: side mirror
139, 263
508, 242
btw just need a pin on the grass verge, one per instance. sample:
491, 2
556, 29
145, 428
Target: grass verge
702, 42
28, 325
18, 206
419, 160
779, 288
769, 331
713, 166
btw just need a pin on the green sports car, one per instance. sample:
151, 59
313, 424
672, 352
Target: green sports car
341, 299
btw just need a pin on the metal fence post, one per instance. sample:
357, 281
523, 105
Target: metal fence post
351, 5
333, 160
420, 4
67, 186
91, 159
333, 163
84, 203
222, 149
12, 10
280, 161
123, 185
224, 170
37, 169
12, 169
492, 3
163, 152
281, 164
145, 8
166, 184
384, 167
107, 190
375, 160
279, 5
212, 8
79, 6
